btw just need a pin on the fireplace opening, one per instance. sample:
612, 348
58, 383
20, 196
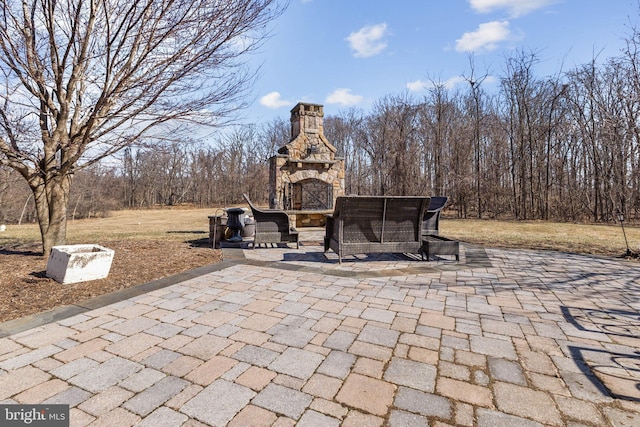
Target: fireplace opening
309, 195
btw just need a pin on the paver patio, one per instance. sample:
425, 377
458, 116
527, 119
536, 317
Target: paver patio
283, 337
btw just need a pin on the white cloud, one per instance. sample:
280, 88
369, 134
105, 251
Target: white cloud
274, 100
368, 41
490, 80
419, 85
486, 37
515, 7
343, 96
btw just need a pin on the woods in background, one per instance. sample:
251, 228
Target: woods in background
564, 147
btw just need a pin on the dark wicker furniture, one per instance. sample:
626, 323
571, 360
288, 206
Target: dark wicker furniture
438, 245
431, 220
432, 242
375, 224
272, 226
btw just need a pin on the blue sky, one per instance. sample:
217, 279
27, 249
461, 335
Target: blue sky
351, 53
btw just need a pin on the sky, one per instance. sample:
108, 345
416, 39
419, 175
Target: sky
351, 53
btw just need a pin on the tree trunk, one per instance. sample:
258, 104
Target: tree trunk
51, 199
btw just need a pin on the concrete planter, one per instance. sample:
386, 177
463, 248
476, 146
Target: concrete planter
79, 263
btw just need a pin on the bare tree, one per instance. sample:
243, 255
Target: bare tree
437, 118
525, 118
206, 169
475, 102
342, 131
81, 80
13, 195
392, 146
96, 191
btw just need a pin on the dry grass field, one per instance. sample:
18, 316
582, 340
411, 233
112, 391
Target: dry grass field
152, 244
596, 239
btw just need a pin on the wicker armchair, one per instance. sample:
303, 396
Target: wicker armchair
371, 224
431, 220
272, 226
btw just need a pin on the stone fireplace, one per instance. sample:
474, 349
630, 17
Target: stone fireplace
306, 177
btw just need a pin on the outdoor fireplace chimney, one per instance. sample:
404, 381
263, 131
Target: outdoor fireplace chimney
306, 177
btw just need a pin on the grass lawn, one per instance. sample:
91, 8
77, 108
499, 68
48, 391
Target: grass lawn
566, 237
160, 224
193, 224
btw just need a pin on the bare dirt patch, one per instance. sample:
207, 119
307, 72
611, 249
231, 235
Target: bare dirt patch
25, 289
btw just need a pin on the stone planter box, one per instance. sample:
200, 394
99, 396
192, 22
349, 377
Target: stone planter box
79, 263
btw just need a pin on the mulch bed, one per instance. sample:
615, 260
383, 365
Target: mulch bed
25, 289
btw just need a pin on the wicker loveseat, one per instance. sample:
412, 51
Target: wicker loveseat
272, 226
375, 224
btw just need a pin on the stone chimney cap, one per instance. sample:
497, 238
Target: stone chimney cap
307, 107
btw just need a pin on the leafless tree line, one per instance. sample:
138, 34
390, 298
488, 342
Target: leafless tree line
83, 81
564, 147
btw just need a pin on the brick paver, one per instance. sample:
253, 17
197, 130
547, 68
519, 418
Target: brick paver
287, 337
369, 394
283, 400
